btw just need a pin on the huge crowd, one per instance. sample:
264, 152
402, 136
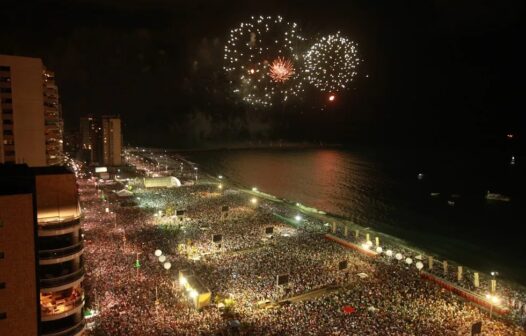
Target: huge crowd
370, 296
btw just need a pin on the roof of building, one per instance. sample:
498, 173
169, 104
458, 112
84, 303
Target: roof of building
20, 179
16, 179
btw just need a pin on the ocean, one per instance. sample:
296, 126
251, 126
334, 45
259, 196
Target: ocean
433, 200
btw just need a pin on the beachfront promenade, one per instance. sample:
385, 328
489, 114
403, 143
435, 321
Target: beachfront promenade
376, 295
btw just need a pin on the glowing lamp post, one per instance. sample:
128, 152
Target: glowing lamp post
158, 253
183, 281
389, 253
254, 200
493, 300
398, 256
193, 294
332, 98
408, 261
162, 259
167, 265
419, 265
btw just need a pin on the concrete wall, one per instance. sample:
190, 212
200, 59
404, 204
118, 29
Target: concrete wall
57, 197
17, 269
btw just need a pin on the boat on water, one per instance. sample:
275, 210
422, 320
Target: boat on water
434, 194
497, 197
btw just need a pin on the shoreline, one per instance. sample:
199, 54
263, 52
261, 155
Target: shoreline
330, 217
250, 146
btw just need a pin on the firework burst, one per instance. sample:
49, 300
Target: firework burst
331, 63
281, 70
262, 59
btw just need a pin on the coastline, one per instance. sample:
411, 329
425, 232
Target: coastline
342, 221
251, 145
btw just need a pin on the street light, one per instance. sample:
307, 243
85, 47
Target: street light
493, 300
183, 281
297, 218
167, 265
254, 200
162, 258
158, 253
193, 293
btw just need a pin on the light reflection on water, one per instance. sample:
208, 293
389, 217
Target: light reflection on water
381, 191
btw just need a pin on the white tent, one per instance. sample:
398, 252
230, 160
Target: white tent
162, 182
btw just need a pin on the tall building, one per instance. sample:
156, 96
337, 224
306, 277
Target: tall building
91, 140
31, 127
43, 283
54, 126
71, 144
111, 141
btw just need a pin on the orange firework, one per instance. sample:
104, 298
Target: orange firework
281, 70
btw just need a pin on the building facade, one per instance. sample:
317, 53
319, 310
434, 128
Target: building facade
31, 127
91, 140
58, 265
111, 141
54, 126
101, 140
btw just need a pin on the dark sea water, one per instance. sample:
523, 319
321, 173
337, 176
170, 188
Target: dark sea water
381, 190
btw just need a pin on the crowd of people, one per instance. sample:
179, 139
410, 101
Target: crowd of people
510, 296
133, 294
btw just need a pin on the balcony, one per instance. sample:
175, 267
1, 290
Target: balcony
58, 255
58, 305
53, 226
54, 283
75, 330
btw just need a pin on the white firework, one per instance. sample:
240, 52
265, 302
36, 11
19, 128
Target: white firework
251, 50
331, 63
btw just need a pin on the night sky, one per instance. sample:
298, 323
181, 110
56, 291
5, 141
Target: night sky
439, 72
